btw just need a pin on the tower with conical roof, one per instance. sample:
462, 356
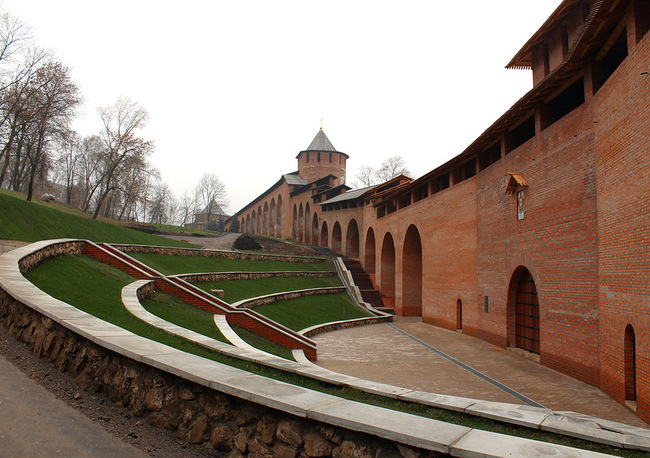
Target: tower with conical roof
321, 159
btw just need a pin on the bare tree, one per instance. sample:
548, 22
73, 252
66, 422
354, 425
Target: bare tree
365, 176
89, 172
187, 206
66, 167
211, 194
162, 204
122, 147
53, 108
389, 169
17, 110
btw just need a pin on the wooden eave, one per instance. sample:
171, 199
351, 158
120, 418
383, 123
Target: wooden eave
523, 59
594, 34
380, 197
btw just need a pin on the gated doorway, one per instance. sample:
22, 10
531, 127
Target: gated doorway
527, 314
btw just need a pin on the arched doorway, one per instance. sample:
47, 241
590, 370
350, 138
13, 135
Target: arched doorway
247, 228
274, 218
629, 358
301, 224
253, 222
336, 238
387, 287
324, 239
258, 227
412, 273
314, 230
307, 238
265, 219
526, 311
280, 221
369, 254
352, 240
294, 226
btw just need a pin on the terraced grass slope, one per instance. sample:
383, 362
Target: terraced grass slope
33, 221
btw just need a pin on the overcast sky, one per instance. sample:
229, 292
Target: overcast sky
238, 88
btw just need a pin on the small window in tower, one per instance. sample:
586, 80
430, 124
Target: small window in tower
520, 205
318, 156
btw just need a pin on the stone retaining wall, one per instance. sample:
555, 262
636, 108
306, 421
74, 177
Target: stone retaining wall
287, 296
214, 253
227, 276
51, 251
197, 414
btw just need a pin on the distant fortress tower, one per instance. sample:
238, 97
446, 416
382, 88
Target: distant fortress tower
321, 159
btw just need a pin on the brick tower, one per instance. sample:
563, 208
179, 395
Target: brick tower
321, 159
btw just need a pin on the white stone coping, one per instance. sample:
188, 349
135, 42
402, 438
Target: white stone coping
523, 415
392, 425
354, 291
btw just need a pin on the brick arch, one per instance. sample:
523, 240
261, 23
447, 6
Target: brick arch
294, 225
629, 362
273, 219
314, 230
352, 240
337, 238
279, 224
412, 273
307, 229
253, 222
387, 282
324, 236
370, 255
247, 227
258, 227
301, 223
524, 323
265, 219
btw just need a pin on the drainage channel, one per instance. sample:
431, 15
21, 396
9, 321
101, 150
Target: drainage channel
470, 369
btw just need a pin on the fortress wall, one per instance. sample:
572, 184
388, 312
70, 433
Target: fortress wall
623, 187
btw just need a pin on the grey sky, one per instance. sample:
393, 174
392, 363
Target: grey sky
238, 88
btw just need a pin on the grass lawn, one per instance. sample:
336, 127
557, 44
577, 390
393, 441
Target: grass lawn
170, 265
96, 288
172, 309
236, 290
33, 221
308, 311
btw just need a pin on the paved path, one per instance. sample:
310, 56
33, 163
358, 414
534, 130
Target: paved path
34, 423
224, 242
384, 353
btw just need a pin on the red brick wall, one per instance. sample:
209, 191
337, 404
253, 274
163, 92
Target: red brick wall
446, 223
555, 241
623, 171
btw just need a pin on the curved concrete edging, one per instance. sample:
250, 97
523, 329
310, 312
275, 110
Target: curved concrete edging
566, 423
402, 428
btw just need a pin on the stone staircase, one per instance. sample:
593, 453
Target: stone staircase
368, 291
